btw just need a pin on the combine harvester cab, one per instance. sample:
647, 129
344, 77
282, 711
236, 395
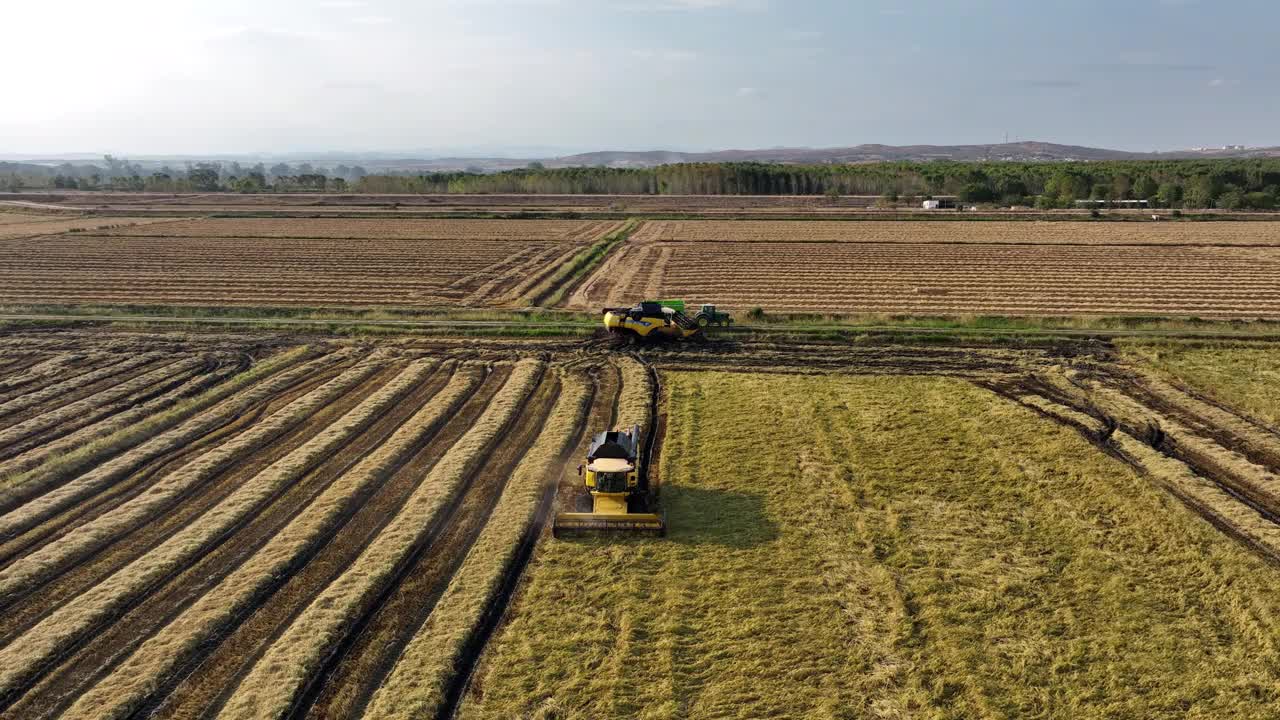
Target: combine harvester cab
662, 320
619, 491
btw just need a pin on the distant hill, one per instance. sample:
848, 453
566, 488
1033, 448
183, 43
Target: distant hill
1019, 151
386, 162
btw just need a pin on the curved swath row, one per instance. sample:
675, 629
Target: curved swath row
286, 538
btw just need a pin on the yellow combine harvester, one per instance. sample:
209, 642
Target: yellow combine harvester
662, 319
619, 490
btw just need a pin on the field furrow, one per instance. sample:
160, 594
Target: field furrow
32, 651
428, 667
275, 684
214, 676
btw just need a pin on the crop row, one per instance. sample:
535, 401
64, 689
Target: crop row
409, 229
915, 232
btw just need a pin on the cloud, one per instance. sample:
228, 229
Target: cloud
688, 5
747, 92
1053, 83
343, 4
1150, 66
371, 20
665, 55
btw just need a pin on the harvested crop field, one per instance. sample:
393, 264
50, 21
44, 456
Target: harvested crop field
270, 534
979, 268
241, 525
21, 225
981, 233
346, 263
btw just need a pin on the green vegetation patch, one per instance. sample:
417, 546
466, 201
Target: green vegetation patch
888, 547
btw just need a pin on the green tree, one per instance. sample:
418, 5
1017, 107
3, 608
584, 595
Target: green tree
1145, 188
1169, 194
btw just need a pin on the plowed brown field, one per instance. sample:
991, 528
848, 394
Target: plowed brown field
295, 262
1218, 270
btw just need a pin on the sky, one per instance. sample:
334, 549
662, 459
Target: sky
138, 77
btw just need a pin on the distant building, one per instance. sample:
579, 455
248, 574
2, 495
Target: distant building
932, 204
1112, 203
942, 203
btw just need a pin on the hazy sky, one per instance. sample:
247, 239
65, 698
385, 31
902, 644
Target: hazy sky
175, 76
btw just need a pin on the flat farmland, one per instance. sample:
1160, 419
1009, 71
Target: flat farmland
1217, 270
246, 529
299, 262
218, 525
900, 547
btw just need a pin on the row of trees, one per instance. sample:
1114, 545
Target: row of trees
1253, 183
1228, 184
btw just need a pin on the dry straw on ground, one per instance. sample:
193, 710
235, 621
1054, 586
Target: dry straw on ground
418, 681
65, 625
272, 685
119, 694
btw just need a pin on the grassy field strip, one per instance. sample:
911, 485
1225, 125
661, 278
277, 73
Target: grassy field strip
86, 406
86, 538
635, 401
57, 631
133, 444
27, 400
417, 683
898, 547
270, 687
105, 426
49, 504
119, 694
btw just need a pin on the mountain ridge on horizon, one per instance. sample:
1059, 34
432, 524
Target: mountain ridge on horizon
1020, 151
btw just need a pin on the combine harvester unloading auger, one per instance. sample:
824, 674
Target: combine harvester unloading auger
663, 320
619, 490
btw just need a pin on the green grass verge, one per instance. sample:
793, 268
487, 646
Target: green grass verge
890, 547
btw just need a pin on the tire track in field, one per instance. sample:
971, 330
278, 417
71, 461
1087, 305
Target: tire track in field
142, 477
347, 682
97, 656
209, 680
91, 570
105, 427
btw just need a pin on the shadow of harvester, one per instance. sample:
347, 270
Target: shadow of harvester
704, 516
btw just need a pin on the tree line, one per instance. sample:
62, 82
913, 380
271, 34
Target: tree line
1225, 183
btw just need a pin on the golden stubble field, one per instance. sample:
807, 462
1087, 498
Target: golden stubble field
1214, 270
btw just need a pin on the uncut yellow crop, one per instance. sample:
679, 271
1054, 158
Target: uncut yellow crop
889, 547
